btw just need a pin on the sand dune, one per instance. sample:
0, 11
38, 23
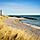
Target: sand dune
11, 29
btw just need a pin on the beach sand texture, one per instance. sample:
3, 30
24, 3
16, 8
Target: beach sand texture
13, 29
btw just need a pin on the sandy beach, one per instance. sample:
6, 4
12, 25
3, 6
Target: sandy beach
30, 30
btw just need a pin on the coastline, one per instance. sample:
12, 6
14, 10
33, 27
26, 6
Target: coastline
30, 25
15, 23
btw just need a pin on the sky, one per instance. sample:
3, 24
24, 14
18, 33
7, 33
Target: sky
20, 7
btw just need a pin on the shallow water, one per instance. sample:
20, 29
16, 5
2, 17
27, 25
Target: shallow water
37, 23
33, 22
30, 21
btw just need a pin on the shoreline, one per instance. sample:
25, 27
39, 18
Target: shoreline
30, 25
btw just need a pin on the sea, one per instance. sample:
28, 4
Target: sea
30, 19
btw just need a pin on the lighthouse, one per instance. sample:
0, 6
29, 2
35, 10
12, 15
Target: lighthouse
0, 12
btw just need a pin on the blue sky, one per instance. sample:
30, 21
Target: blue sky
20, 7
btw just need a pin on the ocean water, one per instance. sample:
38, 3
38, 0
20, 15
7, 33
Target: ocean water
31, 19
33, 22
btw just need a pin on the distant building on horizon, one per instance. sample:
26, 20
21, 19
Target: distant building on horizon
0, 12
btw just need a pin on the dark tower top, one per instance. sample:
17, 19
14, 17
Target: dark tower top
0, 12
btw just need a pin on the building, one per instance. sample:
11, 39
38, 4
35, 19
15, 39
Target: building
0, 12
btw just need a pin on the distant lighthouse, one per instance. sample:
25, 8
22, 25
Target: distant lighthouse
0, 12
